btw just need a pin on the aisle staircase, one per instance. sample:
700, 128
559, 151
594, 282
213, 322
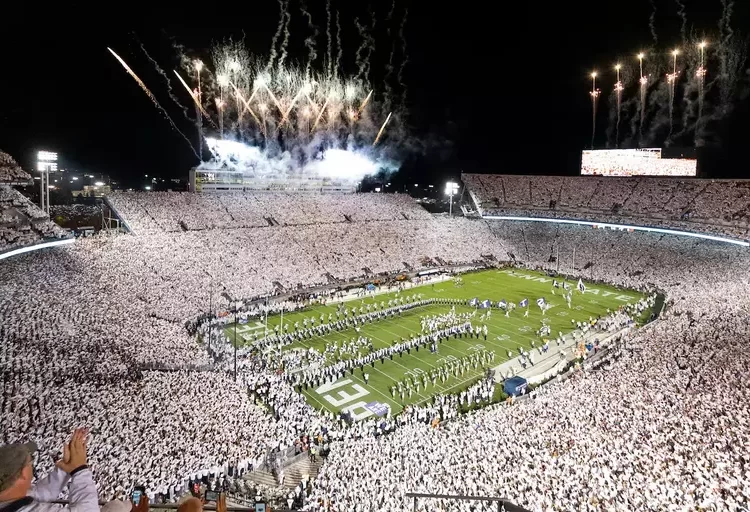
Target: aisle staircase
292, 474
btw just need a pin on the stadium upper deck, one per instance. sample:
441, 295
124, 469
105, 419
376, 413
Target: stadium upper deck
705, 206
174, 211
11, 172
22, 224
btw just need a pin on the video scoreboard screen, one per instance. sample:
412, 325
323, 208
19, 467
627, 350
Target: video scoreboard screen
635, 162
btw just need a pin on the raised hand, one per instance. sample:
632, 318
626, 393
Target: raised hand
74, 451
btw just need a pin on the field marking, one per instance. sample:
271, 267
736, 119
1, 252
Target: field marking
585, 306
392, 380
440, 386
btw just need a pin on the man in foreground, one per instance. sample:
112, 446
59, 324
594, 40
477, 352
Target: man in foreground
16, 475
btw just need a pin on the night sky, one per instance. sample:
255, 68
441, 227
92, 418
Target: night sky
501, 88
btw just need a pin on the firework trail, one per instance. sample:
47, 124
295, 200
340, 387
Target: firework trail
340, 52
285, 41
279, 28
652, 22
388, 74
672, 81
618, 94
389, 65
310, 40
725, 40
329, 50
380, 132
366, 48
725, 28
404, 56
153, 99
166, 78
683, 18
371, 48
643, 81
594, 97
194, 95
390, 15
360, 56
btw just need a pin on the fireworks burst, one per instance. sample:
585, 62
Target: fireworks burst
286, 118
682, 107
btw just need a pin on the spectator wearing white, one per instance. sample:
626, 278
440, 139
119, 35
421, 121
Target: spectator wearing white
17, 494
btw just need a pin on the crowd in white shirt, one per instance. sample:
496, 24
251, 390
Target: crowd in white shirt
666, 427
705, 206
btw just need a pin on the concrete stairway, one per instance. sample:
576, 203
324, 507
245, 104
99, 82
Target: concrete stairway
292, 474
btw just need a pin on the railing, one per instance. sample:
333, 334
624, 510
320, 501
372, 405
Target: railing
502, 503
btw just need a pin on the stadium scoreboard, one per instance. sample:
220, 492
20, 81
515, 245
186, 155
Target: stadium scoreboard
635, 162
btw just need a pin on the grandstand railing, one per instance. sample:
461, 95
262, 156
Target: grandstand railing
112, 209
502, 503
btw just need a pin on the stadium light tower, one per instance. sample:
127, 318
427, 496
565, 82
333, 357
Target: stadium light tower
451, 188
46, 162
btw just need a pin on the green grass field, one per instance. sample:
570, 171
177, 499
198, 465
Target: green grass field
504, 334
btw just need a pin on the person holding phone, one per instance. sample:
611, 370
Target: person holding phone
17, 494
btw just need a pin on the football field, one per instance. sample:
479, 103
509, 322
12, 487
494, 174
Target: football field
506, 335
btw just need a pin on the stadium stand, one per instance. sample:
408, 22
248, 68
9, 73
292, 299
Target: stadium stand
10, 172
170, 211
720, 207
22, 223
662, 427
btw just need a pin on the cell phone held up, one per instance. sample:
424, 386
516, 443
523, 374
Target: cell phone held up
211, 496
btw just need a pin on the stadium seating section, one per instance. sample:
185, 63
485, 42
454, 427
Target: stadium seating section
169, 211
22, 223
720, 207
11, 172
662, 427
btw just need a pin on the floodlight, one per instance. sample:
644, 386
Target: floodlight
46, 156
451, 188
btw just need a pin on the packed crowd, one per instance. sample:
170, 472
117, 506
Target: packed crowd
10, 171
21, 222
174, 211
82, 324
706, 206
621, 439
